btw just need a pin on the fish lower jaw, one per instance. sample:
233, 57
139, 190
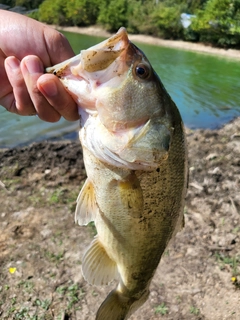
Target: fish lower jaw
128, 151
105, 155
85, 112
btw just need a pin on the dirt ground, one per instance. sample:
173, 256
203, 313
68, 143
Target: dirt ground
41, 246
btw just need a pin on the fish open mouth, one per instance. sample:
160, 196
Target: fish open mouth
94, 67
96, 58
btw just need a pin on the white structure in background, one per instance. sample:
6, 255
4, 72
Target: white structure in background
186, 19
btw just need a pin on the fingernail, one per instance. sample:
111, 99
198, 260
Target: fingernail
13, 63
49, 87
34, 65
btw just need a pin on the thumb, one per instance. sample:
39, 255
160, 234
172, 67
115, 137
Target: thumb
58, 47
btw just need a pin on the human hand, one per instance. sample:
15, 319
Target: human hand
27, 47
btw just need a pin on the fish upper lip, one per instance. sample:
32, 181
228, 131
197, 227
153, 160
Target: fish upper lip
108, 51
120, 37
101, 56
85, 66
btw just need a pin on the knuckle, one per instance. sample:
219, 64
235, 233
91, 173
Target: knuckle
61, 40
9, 103
35, 91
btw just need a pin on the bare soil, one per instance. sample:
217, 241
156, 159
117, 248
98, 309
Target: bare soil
41, 246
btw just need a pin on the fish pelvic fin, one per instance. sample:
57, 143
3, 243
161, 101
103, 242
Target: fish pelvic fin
86, 205
97, 267
118, 307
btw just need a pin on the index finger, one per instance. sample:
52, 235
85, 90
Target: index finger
54, 92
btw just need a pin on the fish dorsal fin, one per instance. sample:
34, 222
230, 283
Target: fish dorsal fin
97, 267
86, 204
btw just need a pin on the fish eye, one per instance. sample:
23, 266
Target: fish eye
142, 71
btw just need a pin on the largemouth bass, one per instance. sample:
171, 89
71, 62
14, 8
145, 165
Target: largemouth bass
136, 162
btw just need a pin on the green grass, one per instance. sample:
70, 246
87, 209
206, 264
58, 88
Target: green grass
161, 309
24, 307
26, 286
73, 294
194, 310
92, 228
56, 196
45, 304
233, 262
54, 257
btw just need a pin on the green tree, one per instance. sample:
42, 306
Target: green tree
216, 22
140, 17
113, 14
82, 12
53, 12
10, 3
219, 22
193, 5
167, 18
28, 4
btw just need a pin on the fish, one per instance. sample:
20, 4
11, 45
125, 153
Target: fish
135, 156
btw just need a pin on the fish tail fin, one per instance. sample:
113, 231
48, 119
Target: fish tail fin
118, 307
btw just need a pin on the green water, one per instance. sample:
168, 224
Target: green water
204, 87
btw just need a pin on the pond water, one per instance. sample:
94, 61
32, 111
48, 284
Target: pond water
204, 87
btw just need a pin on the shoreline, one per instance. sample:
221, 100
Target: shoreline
233, 125
97, 31
176, 44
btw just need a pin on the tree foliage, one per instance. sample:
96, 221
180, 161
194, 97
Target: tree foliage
216, 21
219, 22
113, 14
53, 12
28, 4
71, 12
82, 12
167, 19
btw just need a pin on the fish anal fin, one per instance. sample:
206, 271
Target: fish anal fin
86, 204
97, 267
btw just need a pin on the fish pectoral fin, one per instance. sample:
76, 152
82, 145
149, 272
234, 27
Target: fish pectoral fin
86, 204
97, 267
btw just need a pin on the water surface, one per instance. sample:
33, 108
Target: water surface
204, 87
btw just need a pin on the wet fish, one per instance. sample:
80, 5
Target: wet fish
136, 162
